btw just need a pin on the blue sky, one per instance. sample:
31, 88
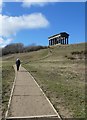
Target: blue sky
33, 24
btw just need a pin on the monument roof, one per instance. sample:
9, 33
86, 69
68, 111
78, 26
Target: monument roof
63, 34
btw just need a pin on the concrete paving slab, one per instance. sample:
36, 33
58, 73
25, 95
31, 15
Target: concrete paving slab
30, 106
26, 83
28, 90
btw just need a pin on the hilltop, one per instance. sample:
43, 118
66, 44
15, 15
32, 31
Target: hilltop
60, 72
60, 50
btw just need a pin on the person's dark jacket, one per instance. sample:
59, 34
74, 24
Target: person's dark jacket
18, 62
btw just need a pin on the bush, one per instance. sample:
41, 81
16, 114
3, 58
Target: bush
19, 48
33, 48
13, 48
71, 58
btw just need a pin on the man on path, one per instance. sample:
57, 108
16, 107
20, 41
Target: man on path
18, 64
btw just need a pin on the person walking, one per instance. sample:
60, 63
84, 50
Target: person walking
18, 64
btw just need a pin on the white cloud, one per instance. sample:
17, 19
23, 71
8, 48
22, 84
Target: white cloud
29, 3
11, 25
41, 3
3, 42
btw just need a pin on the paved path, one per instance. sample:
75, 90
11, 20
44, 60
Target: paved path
28, 100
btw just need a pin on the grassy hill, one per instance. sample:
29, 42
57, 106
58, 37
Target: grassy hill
59, 70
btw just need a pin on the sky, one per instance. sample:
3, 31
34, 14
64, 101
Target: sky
32, 22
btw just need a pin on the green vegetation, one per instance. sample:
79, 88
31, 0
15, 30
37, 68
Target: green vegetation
60, 71
0, 86
7, 80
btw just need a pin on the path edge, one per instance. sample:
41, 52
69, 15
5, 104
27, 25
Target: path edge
12, 90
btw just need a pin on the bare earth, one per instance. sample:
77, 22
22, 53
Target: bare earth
28, 99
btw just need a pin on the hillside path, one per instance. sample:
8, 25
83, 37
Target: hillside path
28, 99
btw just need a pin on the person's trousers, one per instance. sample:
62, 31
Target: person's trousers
17, 67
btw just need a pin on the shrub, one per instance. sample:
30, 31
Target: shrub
71, 58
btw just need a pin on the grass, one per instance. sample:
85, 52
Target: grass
0, 86
62, 79
7, 81
64, 87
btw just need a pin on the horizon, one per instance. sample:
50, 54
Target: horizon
44, 45
33, 24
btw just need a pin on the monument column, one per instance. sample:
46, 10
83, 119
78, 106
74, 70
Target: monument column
49, 42
63, 40
67, 40
52, 41
59, 40
55, 41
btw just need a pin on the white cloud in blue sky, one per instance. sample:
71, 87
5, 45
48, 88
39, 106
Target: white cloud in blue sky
29, 3
44, 1
11, 25
41, 3
4, 42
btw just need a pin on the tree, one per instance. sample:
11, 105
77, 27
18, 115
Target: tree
13, 48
